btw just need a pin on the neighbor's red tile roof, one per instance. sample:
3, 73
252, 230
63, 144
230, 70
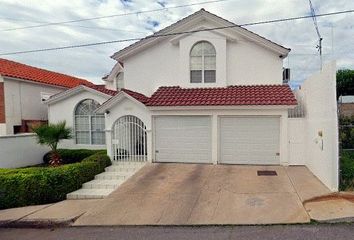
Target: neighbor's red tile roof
22, 71
232, 95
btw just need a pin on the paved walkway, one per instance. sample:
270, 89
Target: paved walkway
188, 194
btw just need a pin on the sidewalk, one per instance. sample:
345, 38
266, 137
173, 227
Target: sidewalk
58, 214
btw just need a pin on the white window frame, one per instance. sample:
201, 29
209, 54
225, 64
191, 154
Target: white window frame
90, 130
203, 63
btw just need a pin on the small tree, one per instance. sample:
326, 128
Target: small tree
51, 135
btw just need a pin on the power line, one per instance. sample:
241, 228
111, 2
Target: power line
114, 15
73, 25
177, 33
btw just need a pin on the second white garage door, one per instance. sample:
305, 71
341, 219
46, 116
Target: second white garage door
185, 139
249, 140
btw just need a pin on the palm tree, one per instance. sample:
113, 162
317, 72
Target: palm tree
50, 135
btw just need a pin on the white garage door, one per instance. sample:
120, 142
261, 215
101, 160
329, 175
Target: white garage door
249, 140
183, 139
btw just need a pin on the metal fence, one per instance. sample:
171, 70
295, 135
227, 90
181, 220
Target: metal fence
299, 111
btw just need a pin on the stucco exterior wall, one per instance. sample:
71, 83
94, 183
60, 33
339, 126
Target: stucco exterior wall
20, 151
23, 101
2, 103
64, 111
238, 62
249, 64
320, 126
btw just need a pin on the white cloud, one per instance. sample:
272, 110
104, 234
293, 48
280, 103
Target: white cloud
93, 62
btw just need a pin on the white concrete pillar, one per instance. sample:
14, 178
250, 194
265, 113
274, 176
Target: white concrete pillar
214, 139
149, 145
284, 139
109, 143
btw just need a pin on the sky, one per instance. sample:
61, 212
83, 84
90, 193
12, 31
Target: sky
92, 63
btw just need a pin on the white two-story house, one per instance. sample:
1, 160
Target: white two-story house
202, 90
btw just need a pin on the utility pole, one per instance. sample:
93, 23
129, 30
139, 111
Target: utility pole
319, 46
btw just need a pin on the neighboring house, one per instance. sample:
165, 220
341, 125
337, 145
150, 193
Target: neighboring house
346, 106
23, 90
199, 97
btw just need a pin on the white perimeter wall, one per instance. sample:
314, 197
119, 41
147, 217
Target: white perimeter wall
20, 151
314, 139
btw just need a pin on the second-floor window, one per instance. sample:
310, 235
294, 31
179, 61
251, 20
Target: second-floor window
203, 63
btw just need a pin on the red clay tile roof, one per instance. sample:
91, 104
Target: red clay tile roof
18, 70
138, 96
231, 96
102, 89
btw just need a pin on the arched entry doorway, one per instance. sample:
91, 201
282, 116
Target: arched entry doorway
129, 140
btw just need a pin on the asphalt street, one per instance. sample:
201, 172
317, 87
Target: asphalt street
301, 232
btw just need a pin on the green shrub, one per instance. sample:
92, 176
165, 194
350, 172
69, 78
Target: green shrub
29, 186
72, 155
347, 170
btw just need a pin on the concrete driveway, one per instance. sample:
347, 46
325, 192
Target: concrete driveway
193, 194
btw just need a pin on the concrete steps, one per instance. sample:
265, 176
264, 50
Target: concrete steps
106, 182
102, 184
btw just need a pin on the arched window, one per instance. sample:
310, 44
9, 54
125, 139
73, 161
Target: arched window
203, 63
89, 127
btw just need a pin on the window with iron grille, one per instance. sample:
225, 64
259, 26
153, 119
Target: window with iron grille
89, 126
203, 63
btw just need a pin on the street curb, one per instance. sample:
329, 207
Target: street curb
37, 223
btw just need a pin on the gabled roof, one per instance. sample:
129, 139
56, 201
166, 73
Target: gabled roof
223, 96
138, 96
96, 89
205, 14
22, 71
73, 91
123, 94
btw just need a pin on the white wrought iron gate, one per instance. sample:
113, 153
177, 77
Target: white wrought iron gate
129, 141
